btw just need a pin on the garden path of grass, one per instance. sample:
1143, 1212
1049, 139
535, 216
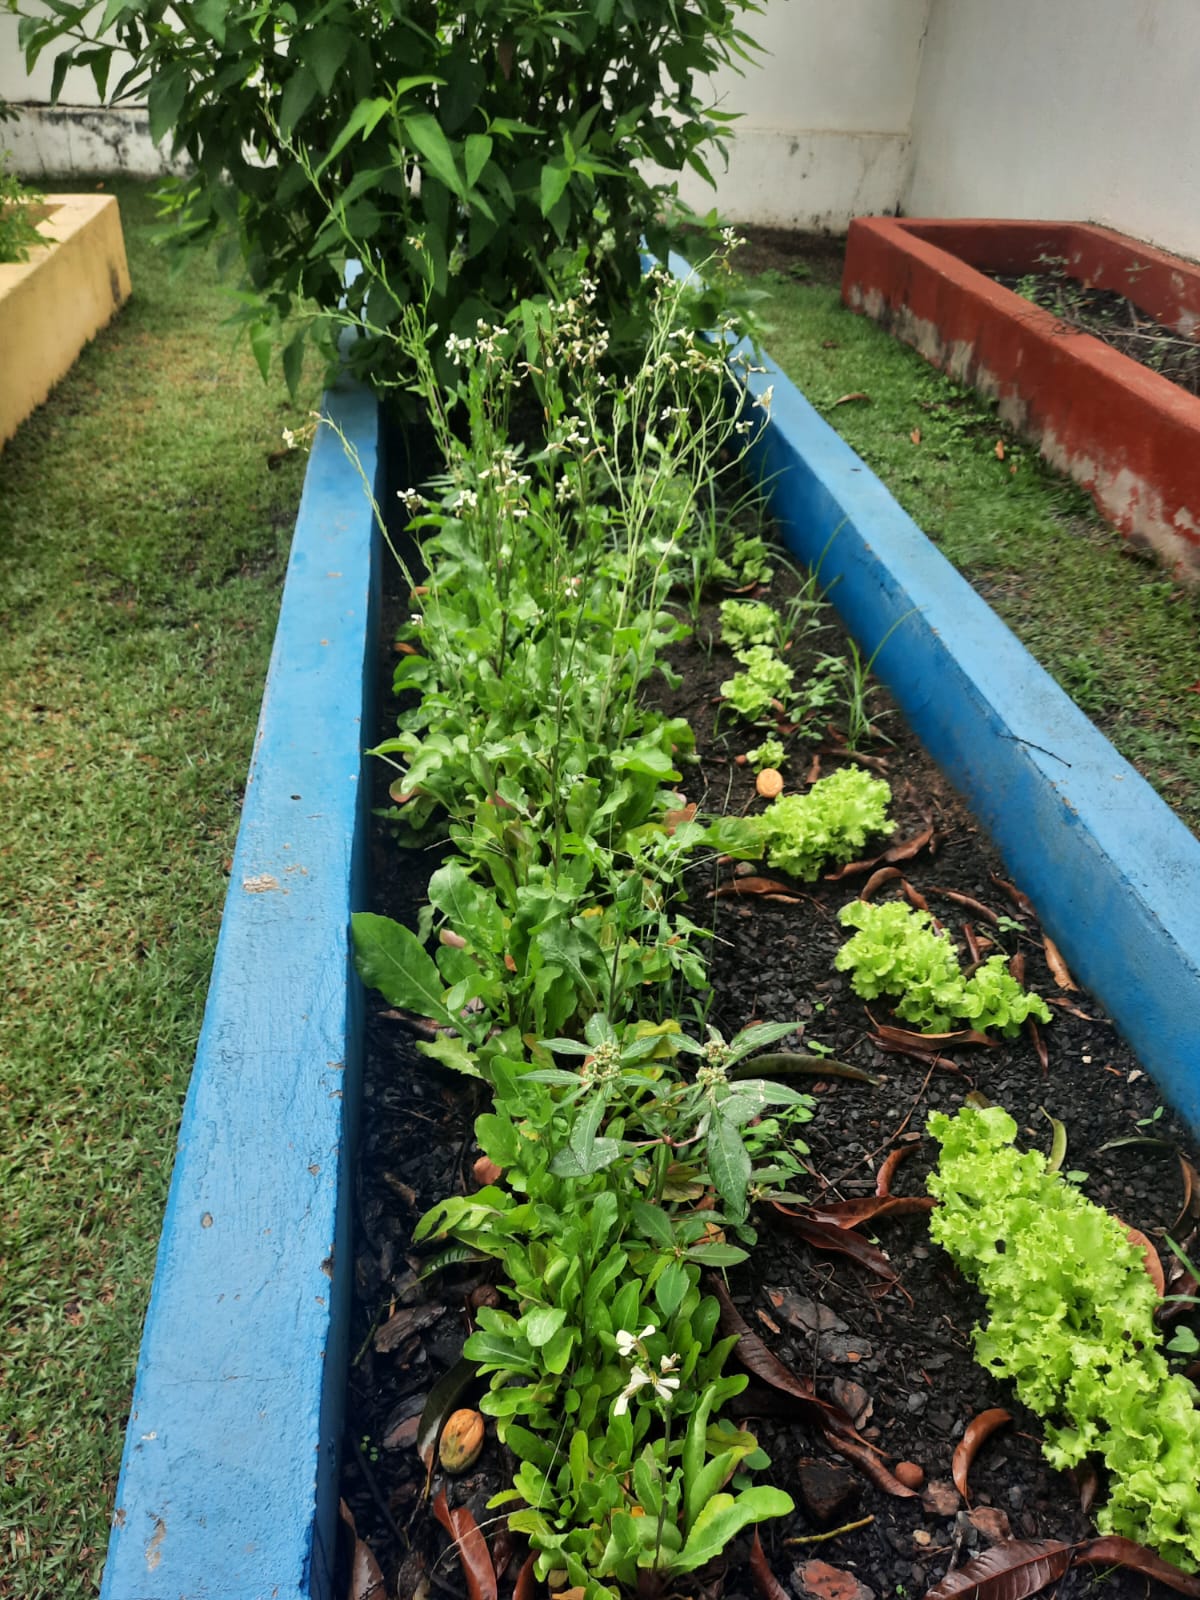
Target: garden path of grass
143, 541
1111, 627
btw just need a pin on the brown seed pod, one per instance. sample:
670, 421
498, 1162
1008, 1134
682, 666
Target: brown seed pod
769, 783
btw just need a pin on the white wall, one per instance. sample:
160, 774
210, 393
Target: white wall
825, 118
1083, 109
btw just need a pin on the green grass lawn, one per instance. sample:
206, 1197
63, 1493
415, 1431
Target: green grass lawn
1113, 629
143, 541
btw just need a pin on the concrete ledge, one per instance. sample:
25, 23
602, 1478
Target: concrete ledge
1114, 874
228, 1483
52, 304
1130, 437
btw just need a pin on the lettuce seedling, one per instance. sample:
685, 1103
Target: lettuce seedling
748, 622
799, 833
897, 953
770, 753
1071, 1324
766, 678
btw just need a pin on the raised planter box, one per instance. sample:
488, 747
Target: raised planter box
1130, 437
228, 1486
52, 304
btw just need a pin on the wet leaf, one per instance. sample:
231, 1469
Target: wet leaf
1058, 967
914, 896
769, 783
870, 1466
1114, 1552
839, 1241
856, 394
443, 1399
471, 1545
814, 769
978, 1430
1058, 1142
877, 880
1149, 1255
906, 849
1087, 1480
765, 1581
883, 1178
1016, 967
675, 819
366, 1579
855, 1213
1022, 902
931, 1042
968, 903
526, 1587
748, 886
766, 1365
792, 1063
1039, 1045
1065, 1005
1007, 1572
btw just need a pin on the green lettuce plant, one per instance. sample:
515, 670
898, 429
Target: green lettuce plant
770, 753
896, 952
767, 678
748, 622
800, 833
1071, 1324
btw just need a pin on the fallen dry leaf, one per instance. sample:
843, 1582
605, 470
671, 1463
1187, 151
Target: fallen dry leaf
819, 1581
856, 1213
1058, 967
747, 885
870, 1466
1154, 1267
915, 436
769, 783
1006, 1572
978, 1430
999, 449
856, 394
485, 1171
914, 896
991, 1522
472, 1548
838, 1240
409, 1319
765, 1581
930, 1042
366, 1578
968, 903
887, 1171
1039, 1045
443, 1399
1021, 901
1114, 1552
526, 1586
940, 1498
877, 879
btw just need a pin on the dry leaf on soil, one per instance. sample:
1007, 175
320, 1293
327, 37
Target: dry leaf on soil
1058, 967
748, 885
1006, 1572
471, 1545
1021, 901
1039, 1045
968, 903
765, 1581
366, 1579
839, 1240
976, 1432
1114, 1552
883, 1178
856, 394
1154, 1267
877, 880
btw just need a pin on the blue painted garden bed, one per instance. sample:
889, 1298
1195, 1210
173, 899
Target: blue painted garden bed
228, 1486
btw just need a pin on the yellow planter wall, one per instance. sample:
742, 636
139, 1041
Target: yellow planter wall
52, 304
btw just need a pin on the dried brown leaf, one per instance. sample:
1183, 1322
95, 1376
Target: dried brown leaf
1022, 902
906, 849
1006, 1572
1114, 1552
870, 1466
978, 1430
1191, 1194
748, 885
1058, 967
887, 1171
914, 896
915, 436
838, 1240
972, 943
1016, 967
877, 880
526, 1587
855, 394
1039, 1045
765, 1581
931, 1042
406, 1321
1154, 1268
366, 1578
855, 1213
968, 903
472, 1548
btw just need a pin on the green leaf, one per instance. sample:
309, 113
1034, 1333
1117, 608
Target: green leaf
670, 1289
425, 134
262, 343
653, 1223
449, 1050
476, 155
324, 50
717, 1254
540, 1326
168, 91
728, 1164
555, 177
364, 119
293, 361
724, 1517
389, 957
299, 93
210, 14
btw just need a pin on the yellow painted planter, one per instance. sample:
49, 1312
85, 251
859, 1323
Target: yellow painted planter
52, 304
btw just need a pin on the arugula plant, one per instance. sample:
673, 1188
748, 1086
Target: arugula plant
471, 155
896, 952
1071, 1324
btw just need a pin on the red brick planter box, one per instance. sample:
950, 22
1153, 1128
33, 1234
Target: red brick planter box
1127, 435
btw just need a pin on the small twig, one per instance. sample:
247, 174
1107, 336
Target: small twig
834, 1533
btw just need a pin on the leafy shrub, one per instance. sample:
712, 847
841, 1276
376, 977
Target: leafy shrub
471, 153
799, 833
18, 230
896, 952
1071, 1323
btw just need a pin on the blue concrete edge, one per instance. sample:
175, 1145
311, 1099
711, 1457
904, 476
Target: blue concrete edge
1113, 873
228, 1483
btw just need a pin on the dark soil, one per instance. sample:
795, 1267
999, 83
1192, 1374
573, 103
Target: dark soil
815, 258
898, 1358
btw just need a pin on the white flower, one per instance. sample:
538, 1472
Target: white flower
663, 1386
627, 1342
764, 399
